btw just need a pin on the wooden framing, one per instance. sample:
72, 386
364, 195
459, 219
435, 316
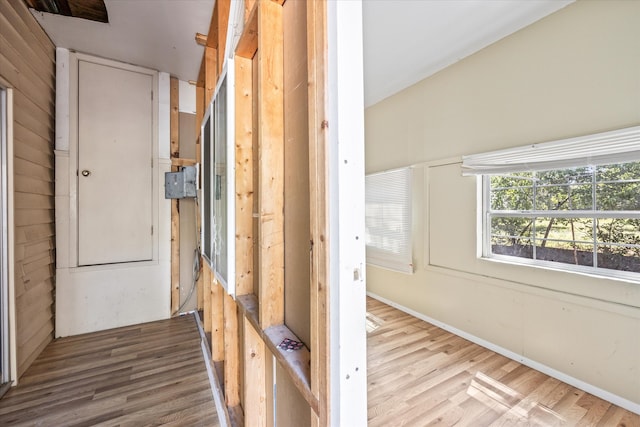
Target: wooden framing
253, 320
175, 203
270, 165
318, 124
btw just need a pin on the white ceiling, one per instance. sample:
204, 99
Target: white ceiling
404, 40
158, 34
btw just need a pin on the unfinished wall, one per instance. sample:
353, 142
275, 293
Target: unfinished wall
27, 64
575, 72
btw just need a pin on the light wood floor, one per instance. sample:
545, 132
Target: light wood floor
149, 374
421, 375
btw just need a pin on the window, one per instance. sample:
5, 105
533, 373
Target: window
218, 194
573, 203
388, 219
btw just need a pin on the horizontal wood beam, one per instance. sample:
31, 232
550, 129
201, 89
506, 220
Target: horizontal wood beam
176, 161
201, 39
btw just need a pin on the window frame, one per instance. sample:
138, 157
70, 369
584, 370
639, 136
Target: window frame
216, 114
486, 234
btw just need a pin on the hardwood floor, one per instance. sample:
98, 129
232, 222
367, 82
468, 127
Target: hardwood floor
149, 374
421, 375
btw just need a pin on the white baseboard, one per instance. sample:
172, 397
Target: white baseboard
589, 388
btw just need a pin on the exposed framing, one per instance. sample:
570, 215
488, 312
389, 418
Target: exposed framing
246, 327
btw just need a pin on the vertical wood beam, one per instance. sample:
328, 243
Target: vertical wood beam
224, 7
217, 320
206, 284
231, 353
244, 176
174, 120
199, 116
210, 74
318, 182
255, 398
271, 163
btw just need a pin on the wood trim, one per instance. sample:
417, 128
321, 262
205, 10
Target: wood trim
271, 164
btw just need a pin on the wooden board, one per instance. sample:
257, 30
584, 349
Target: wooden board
254, 356
244, 176
318, 206
231, 353
174, 131
206, 283
270, 164
217, 321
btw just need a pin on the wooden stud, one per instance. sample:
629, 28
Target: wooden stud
244, 176
212, 36
217, 320
206, 284
224, 7
318, 182
270, 164
249, 6
231, 353
210, 74
248, 43
255, 398
201, 39
199, 115
183, 162
174, 121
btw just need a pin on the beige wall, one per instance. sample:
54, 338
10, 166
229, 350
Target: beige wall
27, 64
575, 72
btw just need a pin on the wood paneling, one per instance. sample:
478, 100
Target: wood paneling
149, 374
27, 63
419, 374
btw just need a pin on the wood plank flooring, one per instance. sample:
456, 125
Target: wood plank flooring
421, 375
149, 374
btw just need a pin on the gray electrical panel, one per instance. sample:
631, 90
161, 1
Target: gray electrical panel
181, 184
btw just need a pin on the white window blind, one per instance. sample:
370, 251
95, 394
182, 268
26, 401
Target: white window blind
388, 219
616, 146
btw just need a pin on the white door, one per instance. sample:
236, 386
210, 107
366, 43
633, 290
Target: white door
115, 137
